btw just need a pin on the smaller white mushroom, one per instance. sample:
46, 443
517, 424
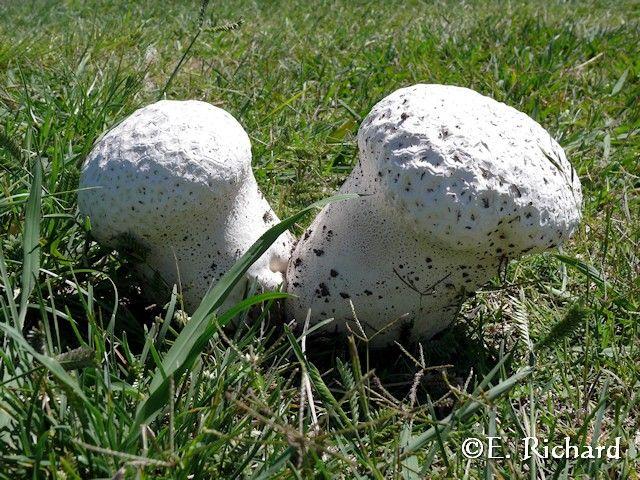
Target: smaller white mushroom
175, 179
454, 184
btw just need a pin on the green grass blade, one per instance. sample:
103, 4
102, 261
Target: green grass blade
271, 469
8, 288
316, 378
51, 364
620, 83
596, 277
469, 409
167, 318
584, 268
31, 241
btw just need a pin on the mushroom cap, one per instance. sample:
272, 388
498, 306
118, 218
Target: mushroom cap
159, 165
469, 172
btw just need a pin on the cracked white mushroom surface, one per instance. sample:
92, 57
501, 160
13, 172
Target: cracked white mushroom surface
175, 179
454, 184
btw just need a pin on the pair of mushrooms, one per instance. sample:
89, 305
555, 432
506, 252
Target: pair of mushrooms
453, 184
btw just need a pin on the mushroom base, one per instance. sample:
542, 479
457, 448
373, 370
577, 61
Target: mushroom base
401, 287
195, 258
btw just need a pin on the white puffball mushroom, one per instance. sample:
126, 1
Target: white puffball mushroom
175, 179
454, 184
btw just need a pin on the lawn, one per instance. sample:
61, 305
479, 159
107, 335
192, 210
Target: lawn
550, 349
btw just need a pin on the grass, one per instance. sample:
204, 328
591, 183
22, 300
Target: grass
550, 349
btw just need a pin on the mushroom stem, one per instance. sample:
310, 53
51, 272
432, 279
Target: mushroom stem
358, 257
194, 262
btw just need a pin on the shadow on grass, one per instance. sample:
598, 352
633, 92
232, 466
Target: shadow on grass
450, 357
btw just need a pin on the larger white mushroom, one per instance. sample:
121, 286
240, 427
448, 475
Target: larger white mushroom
454, 184
175, 178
